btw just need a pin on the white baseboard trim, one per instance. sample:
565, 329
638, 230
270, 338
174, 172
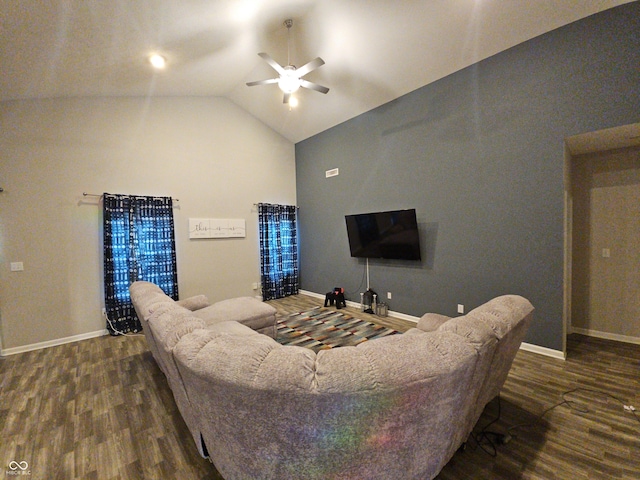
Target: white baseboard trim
390, 313
547, 352
311, 294
53, 343
606, 335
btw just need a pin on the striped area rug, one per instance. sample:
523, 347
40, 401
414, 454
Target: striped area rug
321, 329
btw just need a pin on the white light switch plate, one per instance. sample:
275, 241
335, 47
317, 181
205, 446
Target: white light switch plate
17, 266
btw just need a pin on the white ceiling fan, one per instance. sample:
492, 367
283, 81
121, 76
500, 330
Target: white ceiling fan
290, 78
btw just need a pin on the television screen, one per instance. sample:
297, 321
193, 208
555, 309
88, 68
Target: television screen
390, 235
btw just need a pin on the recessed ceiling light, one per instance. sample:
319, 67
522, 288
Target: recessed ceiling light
244, 10
158, 61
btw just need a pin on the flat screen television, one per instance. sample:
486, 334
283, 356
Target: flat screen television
390, 235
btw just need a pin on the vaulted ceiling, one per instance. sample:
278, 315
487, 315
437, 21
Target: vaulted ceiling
375, 50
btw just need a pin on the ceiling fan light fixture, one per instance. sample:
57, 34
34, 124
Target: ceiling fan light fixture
289, 83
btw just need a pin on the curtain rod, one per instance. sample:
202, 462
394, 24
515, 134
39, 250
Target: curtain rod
256, 204
85, 194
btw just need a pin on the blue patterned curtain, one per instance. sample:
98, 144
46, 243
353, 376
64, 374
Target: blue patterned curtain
278, 250
139, 244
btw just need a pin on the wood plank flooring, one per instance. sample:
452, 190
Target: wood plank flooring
101, 409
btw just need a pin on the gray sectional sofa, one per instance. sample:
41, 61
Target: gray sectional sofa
396, 407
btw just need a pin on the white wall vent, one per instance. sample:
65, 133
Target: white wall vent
334, 172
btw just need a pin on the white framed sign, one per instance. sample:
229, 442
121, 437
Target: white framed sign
217, 228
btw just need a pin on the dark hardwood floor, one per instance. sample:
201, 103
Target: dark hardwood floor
101, 409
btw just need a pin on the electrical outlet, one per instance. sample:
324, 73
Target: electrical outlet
17, 266
460, 308
388, 295
254, 286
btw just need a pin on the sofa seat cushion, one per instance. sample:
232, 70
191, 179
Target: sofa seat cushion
231, 327
246, 310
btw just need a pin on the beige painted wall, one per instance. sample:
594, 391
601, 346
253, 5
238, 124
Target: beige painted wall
606, 290
207, 152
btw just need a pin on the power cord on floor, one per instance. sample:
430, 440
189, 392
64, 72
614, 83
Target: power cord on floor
114, 329
488, 440
573, 405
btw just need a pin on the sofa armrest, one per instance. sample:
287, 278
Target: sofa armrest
194, 303
430, 322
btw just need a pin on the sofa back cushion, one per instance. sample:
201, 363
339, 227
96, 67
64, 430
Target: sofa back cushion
146, 296
509, 317
496, 330
168, 324
483, 340
506, 319
378, 410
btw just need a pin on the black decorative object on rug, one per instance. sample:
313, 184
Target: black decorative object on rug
321, 329
337, 297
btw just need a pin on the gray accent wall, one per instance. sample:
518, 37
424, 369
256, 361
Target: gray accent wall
480, 156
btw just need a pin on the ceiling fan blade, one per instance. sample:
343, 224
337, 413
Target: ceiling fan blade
312, 65
313, 86
286, 98
275, 65
263, 82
